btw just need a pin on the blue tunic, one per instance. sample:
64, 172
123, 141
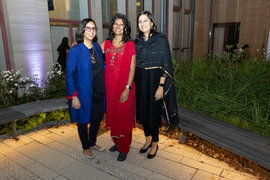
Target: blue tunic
79, 77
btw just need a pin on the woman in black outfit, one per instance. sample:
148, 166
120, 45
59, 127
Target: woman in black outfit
62, 51
155, 91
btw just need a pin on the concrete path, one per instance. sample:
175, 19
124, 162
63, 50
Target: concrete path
56, 153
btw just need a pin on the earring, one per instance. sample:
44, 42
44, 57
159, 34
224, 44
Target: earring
152, 27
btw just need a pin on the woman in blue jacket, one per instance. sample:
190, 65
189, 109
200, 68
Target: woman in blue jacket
85, 85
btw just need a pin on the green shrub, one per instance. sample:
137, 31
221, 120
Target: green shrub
232, 90
17, 90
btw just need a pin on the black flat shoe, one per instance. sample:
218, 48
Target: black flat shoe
122, 156
144, 150
113, 148
151, 156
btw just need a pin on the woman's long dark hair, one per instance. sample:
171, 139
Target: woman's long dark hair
81, 29
64, 43
151, 17
127, 29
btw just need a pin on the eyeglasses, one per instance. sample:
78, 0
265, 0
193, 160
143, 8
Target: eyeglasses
88, 29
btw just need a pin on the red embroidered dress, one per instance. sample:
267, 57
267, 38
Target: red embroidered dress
120, 117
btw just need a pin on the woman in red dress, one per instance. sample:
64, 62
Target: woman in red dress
120, 55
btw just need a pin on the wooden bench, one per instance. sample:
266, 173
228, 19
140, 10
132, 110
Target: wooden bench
249, 145
23, 111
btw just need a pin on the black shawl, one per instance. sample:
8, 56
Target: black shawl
156, 53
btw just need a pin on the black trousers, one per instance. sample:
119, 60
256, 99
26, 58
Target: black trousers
151, 132
88, 139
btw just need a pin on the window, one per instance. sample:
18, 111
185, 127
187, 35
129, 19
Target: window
225, 34
139, 6
64, 21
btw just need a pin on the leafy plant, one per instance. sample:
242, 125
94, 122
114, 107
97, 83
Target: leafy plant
35, 120
228, 89
17, 90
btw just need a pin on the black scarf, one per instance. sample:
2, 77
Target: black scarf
156, 53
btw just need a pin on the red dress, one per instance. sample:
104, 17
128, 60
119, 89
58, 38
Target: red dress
120, 117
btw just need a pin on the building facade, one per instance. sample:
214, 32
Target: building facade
30, 33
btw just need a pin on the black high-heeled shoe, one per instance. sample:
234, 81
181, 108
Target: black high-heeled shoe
144, 150
151, 156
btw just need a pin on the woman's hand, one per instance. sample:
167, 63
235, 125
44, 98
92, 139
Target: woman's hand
159, 93
124, 95
73, 44
76, 102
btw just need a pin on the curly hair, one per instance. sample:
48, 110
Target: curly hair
81, 29
127, 28
151, 17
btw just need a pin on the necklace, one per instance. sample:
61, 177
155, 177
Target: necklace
93, 61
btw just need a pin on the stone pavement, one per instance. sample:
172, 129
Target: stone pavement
56, 153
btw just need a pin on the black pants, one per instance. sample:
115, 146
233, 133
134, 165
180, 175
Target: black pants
151, 132
89, 139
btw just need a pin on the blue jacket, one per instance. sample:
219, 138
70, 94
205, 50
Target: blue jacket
79, 77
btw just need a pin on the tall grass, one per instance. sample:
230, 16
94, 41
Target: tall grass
231, 91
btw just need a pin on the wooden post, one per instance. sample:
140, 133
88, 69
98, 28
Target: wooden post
183, 136
14, 132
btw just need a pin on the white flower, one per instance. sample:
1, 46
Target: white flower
32, 85
257, 49
50, 76
57, 62
59, 72
15, 84
27, 88
39, 85
53, 75
7, 79
10, 91
11, 79
18, 72
52, 63
263, 49
52, 72
10, 76
55, 69
48, 73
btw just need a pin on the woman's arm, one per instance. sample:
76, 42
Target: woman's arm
131, 75
102, 46
70, 81
159, 92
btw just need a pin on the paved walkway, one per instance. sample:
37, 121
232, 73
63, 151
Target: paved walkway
56, 153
